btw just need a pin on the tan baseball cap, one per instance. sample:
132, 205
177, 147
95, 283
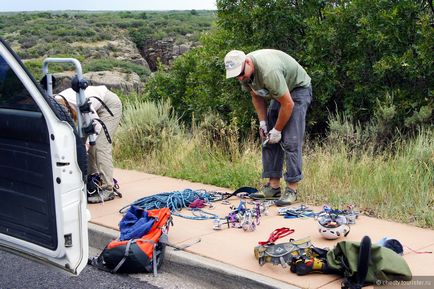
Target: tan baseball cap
234, 61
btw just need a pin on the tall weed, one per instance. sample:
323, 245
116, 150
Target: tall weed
145, 128
396, 184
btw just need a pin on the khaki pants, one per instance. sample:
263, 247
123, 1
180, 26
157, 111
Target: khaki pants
100, 155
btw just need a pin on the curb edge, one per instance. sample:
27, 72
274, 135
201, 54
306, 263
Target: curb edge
190, 264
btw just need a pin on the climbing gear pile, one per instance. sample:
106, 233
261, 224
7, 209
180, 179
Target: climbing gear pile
242, 217
351, 214
95, 190
282, 253
296, 212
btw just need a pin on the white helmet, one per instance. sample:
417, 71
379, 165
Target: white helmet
333, 227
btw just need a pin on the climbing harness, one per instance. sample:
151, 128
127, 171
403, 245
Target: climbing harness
197, 204
104, 128
86, 108
103, 104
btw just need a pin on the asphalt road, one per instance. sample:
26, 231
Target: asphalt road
17, 272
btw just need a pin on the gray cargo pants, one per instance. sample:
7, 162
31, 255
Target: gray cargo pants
100, 155
290, 147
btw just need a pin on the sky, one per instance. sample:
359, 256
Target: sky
45, 5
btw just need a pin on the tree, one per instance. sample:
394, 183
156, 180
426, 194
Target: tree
361, 53
363, 56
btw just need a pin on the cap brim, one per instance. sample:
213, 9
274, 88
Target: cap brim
234, 72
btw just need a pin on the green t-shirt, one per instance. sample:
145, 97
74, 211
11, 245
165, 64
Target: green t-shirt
275, 73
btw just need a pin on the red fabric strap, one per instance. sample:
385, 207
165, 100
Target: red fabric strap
418, 252
277, 234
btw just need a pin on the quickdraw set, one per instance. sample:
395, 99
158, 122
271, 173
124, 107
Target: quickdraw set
296, 212
350, 214
243, 217
332, 223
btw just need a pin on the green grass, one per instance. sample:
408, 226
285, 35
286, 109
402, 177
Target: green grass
394, 185
397, 186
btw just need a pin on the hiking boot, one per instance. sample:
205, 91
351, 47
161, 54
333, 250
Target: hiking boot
288, 197
267, 192
103, 196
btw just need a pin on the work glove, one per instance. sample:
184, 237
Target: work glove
274, 136
263, 130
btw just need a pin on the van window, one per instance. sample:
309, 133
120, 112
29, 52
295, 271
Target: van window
13, 94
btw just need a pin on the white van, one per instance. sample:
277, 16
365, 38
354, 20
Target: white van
42, 172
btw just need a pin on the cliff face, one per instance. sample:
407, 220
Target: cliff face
164, 50
121, 50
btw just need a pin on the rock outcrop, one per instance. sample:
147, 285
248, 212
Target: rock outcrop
120, 49
125, 82
164, 50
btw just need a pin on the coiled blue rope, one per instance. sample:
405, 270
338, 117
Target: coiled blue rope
175, 200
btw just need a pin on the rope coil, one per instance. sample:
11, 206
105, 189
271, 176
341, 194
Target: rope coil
175, 201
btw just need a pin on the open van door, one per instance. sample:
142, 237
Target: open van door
42, 171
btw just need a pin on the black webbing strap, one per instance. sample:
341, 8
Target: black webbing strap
103, 104
104, 127
364, 259
248, 190
126, 254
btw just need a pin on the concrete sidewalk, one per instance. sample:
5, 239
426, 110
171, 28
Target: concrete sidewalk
230, 251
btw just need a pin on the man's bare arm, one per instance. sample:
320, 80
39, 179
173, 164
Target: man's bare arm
259, 104
285, 112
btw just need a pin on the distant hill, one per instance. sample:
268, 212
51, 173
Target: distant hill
104, 41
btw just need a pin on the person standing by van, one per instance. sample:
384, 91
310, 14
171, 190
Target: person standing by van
107, 107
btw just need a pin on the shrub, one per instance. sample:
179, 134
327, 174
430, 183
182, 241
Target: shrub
145, 127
